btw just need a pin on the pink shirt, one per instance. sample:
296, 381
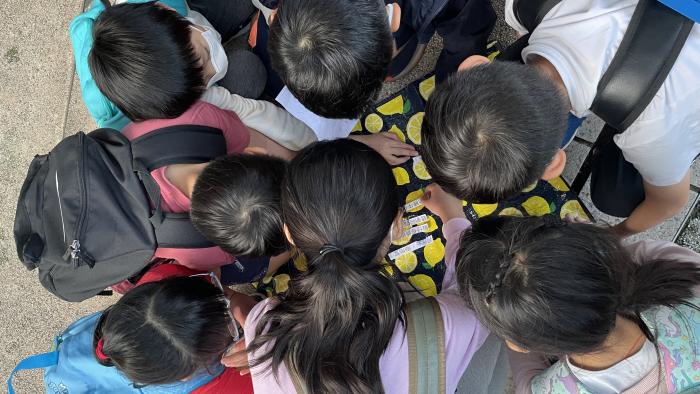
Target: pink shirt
172, 199
464, 335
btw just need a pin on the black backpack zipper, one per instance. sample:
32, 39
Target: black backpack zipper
74, 253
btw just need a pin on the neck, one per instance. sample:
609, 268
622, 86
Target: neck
184, 176
545, 67
623, 341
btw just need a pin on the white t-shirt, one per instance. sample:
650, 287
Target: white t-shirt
620, 376
580, 38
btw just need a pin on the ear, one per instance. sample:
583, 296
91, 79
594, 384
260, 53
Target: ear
287, 235
556, 166
255, 150
515, 347
473, 61
272, 16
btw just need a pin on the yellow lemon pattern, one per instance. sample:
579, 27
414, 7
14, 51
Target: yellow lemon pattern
424, 261
510, 211
484, 209
392, 107
420, 170
374, 123
407, 262
536, 206
432, 225
412, 197
401, 176
530, 187
281, 283
426, 87
574, 208
414, 128
300, 262
559, 184
425, 284
434, 252
397, 132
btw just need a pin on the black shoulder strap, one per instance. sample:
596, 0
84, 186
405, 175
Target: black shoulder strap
182, 144
654, 38
531, 12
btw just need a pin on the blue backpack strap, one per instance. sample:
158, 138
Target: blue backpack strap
33, 362
425, 332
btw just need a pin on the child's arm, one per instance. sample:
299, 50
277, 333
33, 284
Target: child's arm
265, 117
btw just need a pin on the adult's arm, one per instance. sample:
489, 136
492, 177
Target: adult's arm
660, 203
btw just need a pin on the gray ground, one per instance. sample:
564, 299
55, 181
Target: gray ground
39, 105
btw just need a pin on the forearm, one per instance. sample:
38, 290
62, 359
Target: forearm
265, 117
660, 203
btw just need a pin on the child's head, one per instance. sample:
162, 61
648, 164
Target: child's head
339, 201
332, 54
164, 332
557, 288
492, 130
147, 60
236, 204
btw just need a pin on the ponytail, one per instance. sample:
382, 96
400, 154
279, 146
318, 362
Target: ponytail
556, 288
659, 283
336, 320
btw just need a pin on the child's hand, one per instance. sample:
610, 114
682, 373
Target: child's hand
388, 145
237, 357
441, 203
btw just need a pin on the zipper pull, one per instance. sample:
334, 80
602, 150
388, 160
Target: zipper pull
76, 255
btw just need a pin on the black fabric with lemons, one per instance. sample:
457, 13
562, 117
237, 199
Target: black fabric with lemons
423, 263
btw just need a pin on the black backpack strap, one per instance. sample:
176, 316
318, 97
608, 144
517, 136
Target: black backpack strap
531, 12
182, 144
654, 38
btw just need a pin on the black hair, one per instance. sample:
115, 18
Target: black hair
491, 130
338, 201
236, 204
163, 332
556, 288
333, 55
142, 60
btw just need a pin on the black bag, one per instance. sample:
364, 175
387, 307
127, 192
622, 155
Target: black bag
651, 44
89, 215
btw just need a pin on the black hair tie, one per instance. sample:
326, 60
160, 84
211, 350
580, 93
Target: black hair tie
329, 248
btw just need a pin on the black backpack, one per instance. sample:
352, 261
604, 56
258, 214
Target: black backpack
89, 215
651, 44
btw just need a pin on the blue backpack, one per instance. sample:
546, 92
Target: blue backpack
72, 367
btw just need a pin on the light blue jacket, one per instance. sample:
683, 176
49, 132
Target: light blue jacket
105, 113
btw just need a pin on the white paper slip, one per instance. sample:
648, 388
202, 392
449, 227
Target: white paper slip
325, 129
415, 230
415, 220
417, 159
411, 247
413, 204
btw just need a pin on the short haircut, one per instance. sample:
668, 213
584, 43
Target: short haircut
491, 130
142, 60
236, 204
166, 331
333, 55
